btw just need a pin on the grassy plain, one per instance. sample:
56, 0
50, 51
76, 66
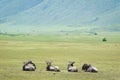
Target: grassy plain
14, 50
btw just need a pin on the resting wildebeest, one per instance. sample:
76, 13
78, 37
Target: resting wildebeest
29, 66
52, 68
71, 68
89, 68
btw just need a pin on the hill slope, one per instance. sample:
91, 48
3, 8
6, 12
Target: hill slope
73, 13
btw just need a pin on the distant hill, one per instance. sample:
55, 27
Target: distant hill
100, 14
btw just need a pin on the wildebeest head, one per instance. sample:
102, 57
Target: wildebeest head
85, 67
49, 63
71, 63
71, 67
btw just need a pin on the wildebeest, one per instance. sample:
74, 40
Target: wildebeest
29, 66
71, 68
52, 68
89, 68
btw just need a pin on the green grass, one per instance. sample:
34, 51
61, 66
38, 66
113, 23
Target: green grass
14, 50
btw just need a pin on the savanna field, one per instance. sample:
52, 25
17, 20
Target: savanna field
60, 49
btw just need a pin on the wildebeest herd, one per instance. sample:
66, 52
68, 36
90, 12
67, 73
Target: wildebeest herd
30, 66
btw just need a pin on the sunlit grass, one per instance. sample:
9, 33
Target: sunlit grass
81, 49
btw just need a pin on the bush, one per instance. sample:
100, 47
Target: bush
104, 39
